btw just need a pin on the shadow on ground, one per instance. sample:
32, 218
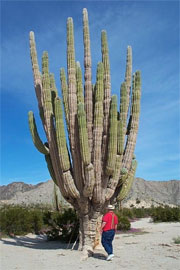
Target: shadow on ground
40, 242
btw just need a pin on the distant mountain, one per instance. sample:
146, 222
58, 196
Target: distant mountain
143, 193
25, 194
7, 192
147, 193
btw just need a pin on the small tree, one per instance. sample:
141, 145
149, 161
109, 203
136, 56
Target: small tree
99, 165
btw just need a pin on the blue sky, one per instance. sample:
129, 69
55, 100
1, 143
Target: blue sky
150, 27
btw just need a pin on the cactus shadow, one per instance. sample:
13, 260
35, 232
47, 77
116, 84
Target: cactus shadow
39, 242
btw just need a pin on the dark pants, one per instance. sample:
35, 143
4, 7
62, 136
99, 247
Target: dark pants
107, 238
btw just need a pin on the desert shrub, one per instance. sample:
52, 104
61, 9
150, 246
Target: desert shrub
127, 212
123, 219
176, 240
62, 226
19, 220
134, 212
14, 220
36, 220
165, 214
123, 223
141, 212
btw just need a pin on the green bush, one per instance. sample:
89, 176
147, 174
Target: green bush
141, 212
123, 219
123, 223
36, 220
18, 220
176, 240
127, 212
135, 212
14, 220
166, 214
62, 226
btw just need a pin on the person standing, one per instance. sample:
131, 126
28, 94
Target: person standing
108, 229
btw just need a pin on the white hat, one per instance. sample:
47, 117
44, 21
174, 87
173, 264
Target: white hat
110, 207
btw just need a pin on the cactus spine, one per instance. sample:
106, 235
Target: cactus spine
99, 165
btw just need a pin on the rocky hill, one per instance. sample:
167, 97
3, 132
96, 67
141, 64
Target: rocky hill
147, 193
44, 193
143, 193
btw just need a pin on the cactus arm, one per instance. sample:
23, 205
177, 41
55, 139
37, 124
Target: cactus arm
35, 136
69, 193
123, 105
48, 108
90, 180
107, 91
97, 132
53, 86
72, 95
79, 85
37, 75
60, 135
112, 143
34, 61
72, 104
85, 153
135, 110
87, 77
51, 132
128, 74
120, 138
83, 135
70, 186
50, 168
64, 90
126, 186
113, 181
107, 79
54, 92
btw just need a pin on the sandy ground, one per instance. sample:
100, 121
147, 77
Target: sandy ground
152, 249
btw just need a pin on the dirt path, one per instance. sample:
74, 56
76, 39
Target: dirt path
152, 249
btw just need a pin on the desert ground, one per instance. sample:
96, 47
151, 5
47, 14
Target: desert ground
151, 249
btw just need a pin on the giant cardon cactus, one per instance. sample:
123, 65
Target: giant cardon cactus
95, 163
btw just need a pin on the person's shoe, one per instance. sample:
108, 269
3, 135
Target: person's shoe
109, 258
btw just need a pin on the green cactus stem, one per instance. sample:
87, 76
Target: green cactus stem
54, 92
112, 144
61, 137
134, 124
128, 182
50, 168
79, 84
107, 78
87, 78
128, 74
70, 186
83, 135
113, 181
72, 95
35, 136
120, 137
97, 131
90, 179
64, 88
123, 105
37, 76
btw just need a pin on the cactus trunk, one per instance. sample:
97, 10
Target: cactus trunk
94, 164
